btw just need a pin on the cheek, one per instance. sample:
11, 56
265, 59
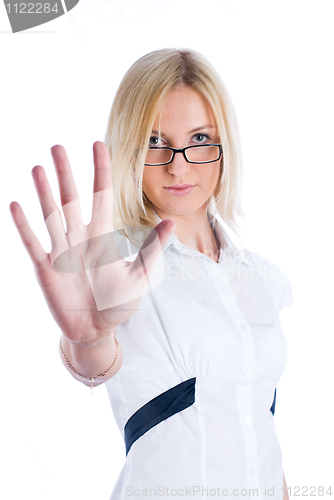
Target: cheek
146, 179
217, 177
213, 179
151, 180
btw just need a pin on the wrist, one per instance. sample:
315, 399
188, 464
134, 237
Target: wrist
95, 340
85, 361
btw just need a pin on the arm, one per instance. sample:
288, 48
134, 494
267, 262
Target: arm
87, 307
286, 494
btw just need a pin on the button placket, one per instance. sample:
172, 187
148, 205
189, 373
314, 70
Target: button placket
245, 387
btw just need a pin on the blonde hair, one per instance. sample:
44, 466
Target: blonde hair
138, 100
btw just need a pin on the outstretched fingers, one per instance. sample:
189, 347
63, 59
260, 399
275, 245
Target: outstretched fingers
32, 245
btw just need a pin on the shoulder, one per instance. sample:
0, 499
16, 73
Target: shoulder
275, 278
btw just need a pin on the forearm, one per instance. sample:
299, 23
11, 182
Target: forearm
92, 359
286, 494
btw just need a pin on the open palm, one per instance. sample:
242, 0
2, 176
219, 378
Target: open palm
87, 285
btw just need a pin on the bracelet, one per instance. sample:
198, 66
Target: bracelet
71, 367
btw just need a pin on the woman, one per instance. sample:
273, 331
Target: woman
192, 377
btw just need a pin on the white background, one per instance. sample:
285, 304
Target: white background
57, 85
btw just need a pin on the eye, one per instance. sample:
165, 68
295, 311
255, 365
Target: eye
155, 141
201, 138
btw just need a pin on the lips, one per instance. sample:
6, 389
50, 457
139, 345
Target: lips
180, 186
180, 189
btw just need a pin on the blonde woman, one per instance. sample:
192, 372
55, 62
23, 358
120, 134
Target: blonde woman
193, 371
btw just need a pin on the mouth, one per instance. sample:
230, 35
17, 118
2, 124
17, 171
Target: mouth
180, 189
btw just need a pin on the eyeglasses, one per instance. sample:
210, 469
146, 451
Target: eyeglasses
203, 153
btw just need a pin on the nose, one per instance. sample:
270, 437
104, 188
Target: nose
179, 165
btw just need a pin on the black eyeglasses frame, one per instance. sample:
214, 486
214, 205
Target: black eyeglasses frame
183, 150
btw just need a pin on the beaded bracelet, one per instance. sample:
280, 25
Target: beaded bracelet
71, 367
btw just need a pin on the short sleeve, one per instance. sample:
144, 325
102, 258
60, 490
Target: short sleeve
278, 283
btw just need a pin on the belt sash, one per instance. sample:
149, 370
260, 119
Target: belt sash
168, 403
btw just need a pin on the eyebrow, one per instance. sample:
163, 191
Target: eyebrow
190, 131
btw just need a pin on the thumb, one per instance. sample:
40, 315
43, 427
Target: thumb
152, 247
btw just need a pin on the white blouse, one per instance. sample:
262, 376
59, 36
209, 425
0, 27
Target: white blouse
215, 328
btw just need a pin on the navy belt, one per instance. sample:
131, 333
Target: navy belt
272, 409
172, 401
165, 405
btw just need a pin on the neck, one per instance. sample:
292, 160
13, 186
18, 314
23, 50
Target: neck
194, 230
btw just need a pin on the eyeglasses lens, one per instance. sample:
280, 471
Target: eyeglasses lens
155, 156
203, 154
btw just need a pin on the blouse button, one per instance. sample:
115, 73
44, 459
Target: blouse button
247, 420
243, 326
249, 375
252, 470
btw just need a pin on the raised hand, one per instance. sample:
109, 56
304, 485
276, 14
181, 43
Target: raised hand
87, 285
